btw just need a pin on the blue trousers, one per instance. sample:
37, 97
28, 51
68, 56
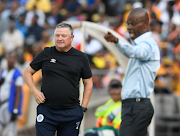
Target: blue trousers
66, 122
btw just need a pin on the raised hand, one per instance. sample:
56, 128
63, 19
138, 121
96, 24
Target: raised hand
111, 38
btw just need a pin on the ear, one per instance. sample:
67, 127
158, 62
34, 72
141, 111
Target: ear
72, 37
146, 22
145, 25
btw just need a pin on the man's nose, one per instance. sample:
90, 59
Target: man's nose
60, 37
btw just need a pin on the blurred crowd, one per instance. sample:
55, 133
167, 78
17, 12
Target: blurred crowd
27, 26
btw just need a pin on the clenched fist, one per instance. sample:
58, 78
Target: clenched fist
111, 38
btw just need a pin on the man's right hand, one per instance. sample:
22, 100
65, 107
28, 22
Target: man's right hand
39, 96
111, 38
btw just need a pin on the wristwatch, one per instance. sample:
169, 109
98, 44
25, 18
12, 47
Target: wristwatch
84, 109
15, 111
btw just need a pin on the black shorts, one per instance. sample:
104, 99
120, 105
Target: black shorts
67, 122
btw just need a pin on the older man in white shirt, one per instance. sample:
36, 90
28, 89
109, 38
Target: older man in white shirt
12, 39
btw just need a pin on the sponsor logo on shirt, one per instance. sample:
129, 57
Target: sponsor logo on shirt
53, 60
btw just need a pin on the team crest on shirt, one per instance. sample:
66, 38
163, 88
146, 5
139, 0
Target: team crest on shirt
53, 60
40, 118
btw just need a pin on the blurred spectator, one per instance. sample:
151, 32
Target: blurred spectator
36, 48
160, 4
99, 60
10, 96
167, 80
92, 46
91, 8
176, 78
16, 10
21, 64
108, 114
176, 66
176, 43
156, 28
174, 34
3, 25
166, 16
43, 5
30, 14
175, 19
176, 5
114, 7
103, 20
46, 39
34, 32
148, 6
53, 17
72, 7
12, 39
166, 51
28, 54
164, 76
4, 13
156, 9
12, 12
21, 26
174, 38
111, 60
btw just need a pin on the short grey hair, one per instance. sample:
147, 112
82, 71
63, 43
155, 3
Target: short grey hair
65, 25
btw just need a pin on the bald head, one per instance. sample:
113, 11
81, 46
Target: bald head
139, 13
137, 22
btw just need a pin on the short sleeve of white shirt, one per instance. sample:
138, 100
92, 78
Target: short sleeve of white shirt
19, 81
